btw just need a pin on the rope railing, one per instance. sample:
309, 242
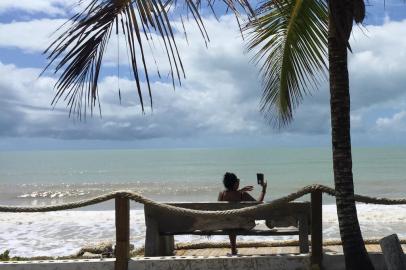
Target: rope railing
185, 211
122, 213
280, 243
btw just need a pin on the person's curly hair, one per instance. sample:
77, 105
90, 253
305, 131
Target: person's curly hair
229, 180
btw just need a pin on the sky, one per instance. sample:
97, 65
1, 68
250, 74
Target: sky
218, 102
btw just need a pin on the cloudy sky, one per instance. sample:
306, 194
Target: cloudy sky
217, 104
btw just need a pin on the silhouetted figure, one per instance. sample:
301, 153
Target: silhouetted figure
233, 194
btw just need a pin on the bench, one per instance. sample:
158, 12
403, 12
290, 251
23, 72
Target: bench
288, 219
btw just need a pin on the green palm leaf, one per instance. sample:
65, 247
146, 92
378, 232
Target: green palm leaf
290, 41
77, 53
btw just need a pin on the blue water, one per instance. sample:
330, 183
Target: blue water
187, 174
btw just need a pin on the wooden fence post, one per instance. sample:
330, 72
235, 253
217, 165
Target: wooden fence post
317, 228
122, 233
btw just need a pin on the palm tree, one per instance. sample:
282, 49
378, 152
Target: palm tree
78, 52
292, 39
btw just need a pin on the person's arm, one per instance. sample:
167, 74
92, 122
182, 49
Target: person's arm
263, 192
247, 197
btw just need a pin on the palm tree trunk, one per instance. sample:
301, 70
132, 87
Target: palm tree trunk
356, 256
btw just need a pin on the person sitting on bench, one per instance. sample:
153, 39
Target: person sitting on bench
233, 194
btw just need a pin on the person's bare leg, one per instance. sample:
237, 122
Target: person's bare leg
233, 242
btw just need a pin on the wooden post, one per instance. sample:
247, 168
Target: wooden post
392, 252
317, 228
122, 233
304, 234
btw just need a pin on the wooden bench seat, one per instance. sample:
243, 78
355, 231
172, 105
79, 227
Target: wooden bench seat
289, 219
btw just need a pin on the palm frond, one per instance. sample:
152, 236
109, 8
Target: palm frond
77, 54
289, 38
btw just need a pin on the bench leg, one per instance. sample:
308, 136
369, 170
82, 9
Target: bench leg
167, 245
156, 244
304, 235
152, 239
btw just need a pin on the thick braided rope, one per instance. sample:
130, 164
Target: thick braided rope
256, 244
59, 207
250, 210
281, 243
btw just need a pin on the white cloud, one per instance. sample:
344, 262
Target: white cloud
56, 7
377, 70
395, 123
219, 97
30, 36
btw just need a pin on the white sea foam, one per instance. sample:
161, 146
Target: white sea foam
65, 232
54, 194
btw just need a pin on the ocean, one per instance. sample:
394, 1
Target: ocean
53, 177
